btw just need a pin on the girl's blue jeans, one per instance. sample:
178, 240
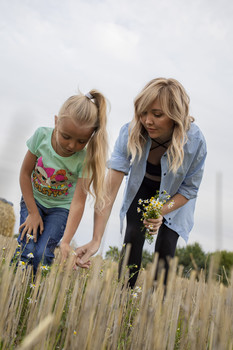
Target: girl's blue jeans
54, 220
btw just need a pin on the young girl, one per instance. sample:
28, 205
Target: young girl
69, 159
161, 149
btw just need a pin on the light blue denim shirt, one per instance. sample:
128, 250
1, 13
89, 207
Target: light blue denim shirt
186, 181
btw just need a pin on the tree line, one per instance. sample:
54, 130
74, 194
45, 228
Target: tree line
191, 257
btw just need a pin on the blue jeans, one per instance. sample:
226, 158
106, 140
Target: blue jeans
54, 220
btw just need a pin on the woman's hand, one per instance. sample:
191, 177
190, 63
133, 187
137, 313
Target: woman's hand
85, 252
153, 225
31, 225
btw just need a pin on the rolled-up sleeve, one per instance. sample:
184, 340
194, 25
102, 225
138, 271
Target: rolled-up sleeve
190, 186
120, 160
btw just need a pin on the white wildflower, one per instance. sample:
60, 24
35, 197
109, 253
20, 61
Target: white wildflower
170, 205
138, 289
22, 265
29, 236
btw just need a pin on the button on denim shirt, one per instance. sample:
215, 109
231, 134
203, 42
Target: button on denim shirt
185, 181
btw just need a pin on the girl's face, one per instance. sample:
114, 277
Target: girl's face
158, 125
69, 137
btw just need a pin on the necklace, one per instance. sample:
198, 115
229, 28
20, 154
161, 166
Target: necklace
160, 144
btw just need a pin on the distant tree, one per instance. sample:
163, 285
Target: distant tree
114, 254
147, 257
224, 260
191, 257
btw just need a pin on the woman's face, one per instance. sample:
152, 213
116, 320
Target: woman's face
158, 125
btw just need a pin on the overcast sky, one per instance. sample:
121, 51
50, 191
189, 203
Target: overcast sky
52, 48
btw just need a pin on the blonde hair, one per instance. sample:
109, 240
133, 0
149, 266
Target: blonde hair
174, 103
91, 110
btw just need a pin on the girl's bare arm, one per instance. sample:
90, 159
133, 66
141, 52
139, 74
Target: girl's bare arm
34, 220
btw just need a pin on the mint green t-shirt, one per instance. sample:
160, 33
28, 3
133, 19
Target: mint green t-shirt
54, 177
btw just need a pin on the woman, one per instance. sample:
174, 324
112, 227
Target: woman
161, 149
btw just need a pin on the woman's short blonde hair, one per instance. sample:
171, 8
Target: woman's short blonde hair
174, 103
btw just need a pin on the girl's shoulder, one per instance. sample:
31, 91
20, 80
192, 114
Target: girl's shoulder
44, 131
41, 134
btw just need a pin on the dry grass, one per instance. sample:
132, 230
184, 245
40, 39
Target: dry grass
7, 219
81, 309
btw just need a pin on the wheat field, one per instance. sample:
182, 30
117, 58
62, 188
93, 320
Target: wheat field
90, 309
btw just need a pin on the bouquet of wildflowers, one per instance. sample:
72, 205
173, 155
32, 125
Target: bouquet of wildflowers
151, 209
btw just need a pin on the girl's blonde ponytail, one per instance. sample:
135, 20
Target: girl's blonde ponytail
97, 152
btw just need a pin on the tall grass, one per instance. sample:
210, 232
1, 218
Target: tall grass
90, 309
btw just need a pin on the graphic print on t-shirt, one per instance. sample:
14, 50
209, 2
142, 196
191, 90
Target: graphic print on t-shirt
50, 182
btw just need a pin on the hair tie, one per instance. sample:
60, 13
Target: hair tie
88, 95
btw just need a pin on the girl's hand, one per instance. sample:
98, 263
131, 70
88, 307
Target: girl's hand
84, 265
153, 225
85, 252
31, 225
65, 250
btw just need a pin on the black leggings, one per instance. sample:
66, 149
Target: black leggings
165, 243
